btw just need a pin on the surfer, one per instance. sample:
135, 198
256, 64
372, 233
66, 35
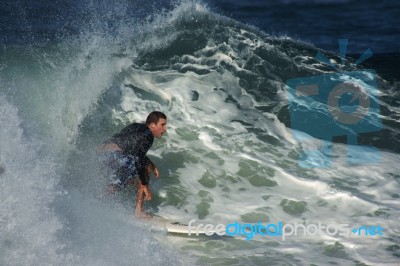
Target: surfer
123, 158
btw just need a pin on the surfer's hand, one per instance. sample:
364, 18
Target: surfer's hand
147, 192
156, 172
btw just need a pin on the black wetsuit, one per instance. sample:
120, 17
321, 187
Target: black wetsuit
135, 139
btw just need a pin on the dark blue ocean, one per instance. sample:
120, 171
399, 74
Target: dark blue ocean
278, 111
366, 23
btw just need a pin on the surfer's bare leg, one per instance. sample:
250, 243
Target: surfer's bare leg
143, 193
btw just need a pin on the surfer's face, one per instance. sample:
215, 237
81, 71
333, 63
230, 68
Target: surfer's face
159, 128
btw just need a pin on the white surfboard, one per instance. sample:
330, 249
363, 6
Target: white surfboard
173, 227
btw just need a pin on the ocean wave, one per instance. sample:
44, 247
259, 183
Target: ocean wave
230, 152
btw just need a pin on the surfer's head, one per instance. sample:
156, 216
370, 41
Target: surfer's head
157, 123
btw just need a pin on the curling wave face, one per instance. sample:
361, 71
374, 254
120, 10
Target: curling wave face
230, 153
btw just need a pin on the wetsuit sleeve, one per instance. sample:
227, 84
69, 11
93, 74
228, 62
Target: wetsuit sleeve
141, 167
145, 143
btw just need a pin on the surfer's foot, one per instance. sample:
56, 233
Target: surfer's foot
143, 215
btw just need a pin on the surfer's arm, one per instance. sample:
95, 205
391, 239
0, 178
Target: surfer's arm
143, 187
141, 169
143, 143
153, 168
108, 147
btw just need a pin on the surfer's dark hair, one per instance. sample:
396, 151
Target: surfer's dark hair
154, 116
